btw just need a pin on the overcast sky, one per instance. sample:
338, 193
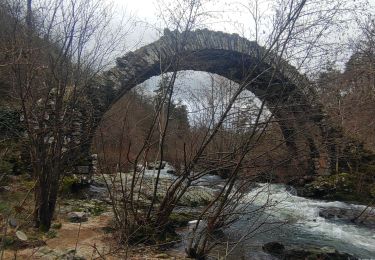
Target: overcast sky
233, 11
225, 16
229, 16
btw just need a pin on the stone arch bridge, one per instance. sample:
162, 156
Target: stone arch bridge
288, 94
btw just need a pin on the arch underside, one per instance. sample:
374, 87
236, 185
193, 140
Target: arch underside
288, 95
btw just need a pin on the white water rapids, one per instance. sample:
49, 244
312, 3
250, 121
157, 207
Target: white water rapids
305, 226
292, 220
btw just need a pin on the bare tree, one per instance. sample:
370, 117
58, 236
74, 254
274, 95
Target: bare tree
54, 56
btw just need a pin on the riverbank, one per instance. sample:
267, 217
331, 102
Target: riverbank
293, 221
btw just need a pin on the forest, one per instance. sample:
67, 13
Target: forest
193, 129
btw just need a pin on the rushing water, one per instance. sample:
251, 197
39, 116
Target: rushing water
289, 219
294, 221
303, 225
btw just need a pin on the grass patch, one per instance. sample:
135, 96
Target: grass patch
51, 234
97, 209
56, 225
4, 207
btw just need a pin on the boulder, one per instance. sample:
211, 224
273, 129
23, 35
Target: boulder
336, 213
316, 253
97, 192
341, 187
12, 222
274, 248
349, 215
297, 252
155, 165
21, 235
171, 171
197, 196
77, 217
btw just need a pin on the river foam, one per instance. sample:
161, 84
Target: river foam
303, 216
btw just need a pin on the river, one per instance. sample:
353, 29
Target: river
303, 225
292, 220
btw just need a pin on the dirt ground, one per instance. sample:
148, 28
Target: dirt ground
90, 241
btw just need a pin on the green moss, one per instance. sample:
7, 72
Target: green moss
43, 228
180, 219
7, 241
196, 196
77, 209
56, 225
94, 207
68, 184
51, 234
355, 187
4, 207
28, 184
342, 181
97, 209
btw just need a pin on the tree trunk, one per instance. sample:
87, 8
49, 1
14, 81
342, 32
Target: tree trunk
45, 200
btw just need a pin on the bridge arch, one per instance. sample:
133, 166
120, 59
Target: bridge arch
299, 112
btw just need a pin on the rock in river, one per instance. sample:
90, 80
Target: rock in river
359, 216
297, 253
